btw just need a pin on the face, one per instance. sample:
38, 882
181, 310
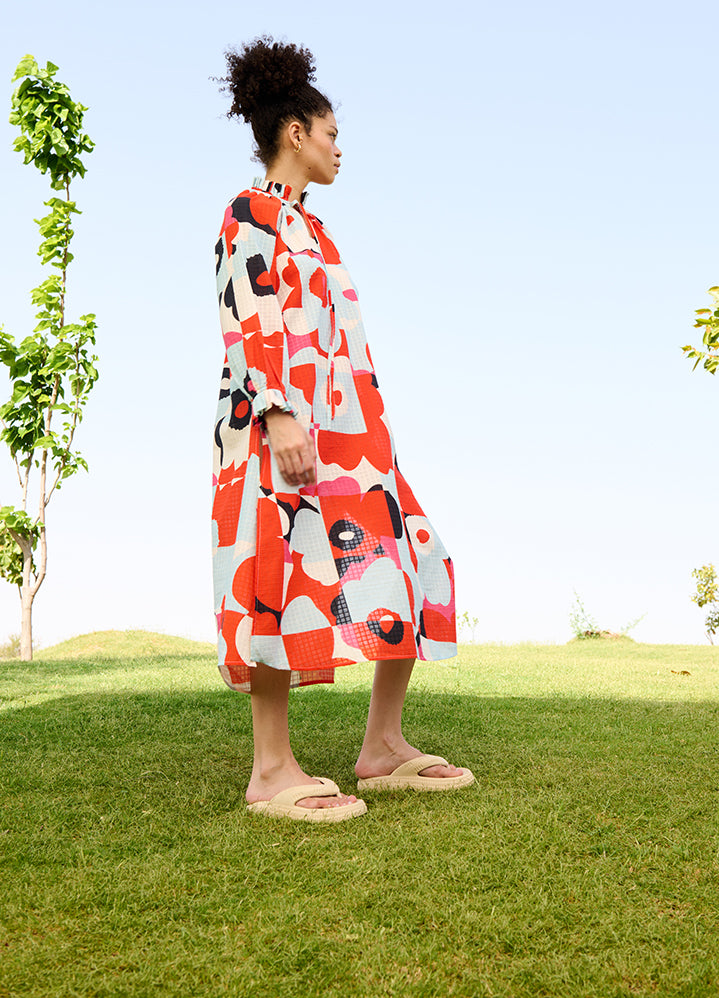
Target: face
320, 154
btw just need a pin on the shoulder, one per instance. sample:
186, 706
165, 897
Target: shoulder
255, 208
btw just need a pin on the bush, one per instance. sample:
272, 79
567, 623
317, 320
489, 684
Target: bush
707, 594
11, 648
585, 626
582, 624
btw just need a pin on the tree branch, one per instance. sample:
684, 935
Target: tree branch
44, 499
26, 483
63, 462
26, 547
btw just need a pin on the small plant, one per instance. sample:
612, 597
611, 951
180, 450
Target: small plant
708, 320
582, 624
11, 648
465, 622
707, 595
624, 631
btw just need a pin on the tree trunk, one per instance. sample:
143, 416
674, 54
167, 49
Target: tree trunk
26, 598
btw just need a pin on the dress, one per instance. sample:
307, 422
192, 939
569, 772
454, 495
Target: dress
347, 569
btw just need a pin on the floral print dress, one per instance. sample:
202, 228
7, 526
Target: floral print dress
311, 577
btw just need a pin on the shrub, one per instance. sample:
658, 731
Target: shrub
707, 595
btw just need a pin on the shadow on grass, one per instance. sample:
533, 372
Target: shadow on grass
499, 738
592, 825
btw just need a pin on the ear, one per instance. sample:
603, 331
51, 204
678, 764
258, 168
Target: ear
294, 132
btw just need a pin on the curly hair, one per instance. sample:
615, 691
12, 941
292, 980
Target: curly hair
270, 84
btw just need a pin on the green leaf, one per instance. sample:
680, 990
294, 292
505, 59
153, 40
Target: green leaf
26, 67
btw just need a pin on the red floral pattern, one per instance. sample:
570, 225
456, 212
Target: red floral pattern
348, 569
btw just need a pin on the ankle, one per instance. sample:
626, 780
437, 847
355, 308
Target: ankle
387, 743
268, 770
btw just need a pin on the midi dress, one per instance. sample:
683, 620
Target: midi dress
347, 569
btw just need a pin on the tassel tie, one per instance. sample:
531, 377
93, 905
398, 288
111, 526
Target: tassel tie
333, 325
331, 358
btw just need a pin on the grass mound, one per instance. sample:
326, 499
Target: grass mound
124, 644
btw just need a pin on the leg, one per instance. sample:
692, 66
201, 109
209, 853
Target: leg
274, 766
385, 747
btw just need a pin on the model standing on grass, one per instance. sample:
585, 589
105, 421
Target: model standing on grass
322, 555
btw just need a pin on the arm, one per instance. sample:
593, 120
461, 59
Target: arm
250, 312
253, 329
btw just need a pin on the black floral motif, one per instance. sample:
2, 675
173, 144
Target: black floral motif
259, 278
344, 527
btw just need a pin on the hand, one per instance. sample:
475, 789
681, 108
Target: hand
292, 446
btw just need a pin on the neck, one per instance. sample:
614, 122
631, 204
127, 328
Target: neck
286, 171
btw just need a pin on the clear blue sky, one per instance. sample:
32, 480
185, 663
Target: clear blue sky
528, 206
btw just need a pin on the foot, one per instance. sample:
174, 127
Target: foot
264, 787
382, 760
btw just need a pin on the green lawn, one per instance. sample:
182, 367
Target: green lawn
583, 864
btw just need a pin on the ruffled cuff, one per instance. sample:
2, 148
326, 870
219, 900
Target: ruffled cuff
269, 397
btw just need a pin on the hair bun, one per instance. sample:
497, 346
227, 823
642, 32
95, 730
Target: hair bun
266, 72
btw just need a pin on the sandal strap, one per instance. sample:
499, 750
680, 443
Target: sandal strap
291, 795
415, 766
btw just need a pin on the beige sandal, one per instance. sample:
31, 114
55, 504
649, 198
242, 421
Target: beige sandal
284, 804
406, 777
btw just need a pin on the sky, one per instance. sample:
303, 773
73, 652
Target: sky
527, 204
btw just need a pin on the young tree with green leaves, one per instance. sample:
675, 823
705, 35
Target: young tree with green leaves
707, 596
51, 371
708, 320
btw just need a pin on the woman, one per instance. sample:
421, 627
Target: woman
322, 555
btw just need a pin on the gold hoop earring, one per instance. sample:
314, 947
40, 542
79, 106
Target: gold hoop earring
298, 147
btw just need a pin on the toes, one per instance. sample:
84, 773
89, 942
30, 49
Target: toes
342, 801
312, 803
440, 772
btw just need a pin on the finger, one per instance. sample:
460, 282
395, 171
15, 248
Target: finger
297, 462
309, 452
286, 470
311, 461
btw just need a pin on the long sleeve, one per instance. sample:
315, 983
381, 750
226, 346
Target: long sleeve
250, 310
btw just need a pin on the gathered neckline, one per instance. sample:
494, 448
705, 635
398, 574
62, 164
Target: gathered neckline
279, 190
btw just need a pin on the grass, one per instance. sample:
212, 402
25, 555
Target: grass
584, 864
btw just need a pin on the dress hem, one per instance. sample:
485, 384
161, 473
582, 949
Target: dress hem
236, 675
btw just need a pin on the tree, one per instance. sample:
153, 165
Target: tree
51, 371
466, 622
707, 595
707, 320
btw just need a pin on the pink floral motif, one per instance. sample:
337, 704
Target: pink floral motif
346, 569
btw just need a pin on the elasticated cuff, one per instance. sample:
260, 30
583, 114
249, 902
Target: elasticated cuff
268, 398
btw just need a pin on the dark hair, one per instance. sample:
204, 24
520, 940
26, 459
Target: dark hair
270, 85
